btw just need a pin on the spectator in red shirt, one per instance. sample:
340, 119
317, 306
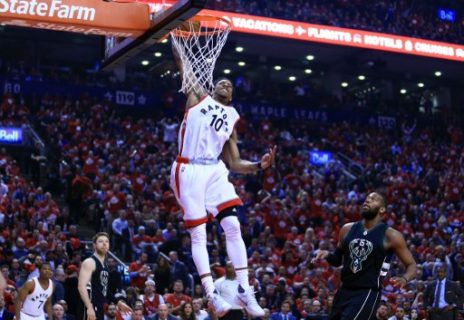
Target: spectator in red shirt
177, 299
151, 299
139, 271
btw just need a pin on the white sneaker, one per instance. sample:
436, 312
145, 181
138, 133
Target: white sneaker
220, 305
247, 297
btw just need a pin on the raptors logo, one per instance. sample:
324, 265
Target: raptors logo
360, 249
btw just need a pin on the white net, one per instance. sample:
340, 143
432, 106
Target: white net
199, 44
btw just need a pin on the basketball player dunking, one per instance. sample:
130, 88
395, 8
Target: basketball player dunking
93, 280
199, 178
35, 295
365, 249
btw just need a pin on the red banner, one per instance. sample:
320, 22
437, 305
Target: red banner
340, 36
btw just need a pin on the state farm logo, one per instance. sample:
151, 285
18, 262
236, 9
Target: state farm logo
51, 8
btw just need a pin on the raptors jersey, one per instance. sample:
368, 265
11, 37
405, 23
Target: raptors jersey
34, 303
205, 129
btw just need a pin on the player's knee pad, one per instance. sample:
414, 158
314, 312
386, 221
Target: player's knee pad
228, 212
198, 234
231, 227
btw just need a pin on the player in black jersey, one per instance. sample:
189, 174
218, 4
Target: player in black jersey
365, 249
93, 280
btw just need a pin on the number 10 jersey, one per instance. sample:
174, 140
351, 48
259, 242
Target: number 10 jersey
205, 129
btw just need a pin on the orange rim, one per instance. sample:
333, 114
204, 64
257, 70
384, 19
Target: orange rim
200, 18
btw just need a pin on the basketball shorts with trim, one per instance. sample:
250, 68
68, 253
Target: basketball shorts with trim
359, 304
202, 189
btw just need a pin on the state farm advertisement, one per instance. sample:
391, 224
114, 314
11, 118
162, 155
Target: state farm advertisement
339, 36
94, 17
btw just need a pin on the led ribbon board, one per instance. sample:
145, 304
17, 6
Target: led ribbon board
340, 36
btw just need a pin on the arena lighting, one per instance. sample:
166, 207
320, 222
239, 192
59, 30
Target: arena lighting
158, 54
241, 63
403, 91
344, 84
277, 68
145, 63
437, 73
239, 49
361, 77
310, 57
420, 85
164, 40
226, 71
292, 78
308, 71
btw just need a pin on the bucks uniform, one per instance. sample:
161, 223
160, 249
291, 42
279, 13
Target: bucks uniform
33, 306
98, 288
365, 265
199, 178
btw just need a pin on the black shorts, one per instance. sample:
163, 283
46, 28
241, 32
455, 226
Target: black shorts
360, 304
99, 314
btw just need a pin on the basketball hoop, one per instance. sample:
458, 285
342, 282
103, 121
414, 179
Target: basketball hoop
199, 42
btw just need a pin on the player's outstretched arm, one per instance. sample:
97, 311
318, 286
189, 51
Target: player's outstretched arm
334, 258
398, 244
231, 156
195, 94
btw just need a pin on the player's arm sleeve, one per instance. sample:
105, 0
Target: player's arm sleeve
335, 258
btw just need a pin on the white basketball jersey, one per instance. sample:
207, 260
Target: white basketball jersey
206, 128
34, 303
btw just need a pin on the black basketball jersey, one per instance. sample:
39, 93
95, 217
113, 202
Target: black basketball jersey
365, 260
98, 286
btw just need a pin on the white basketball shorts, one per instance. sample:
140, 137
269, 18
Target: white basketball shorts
24, 316
202, 189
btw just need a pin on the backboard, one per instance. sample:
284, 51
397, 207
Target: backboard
165, 15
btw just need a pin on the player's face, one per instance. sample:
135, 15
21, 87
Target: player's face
102, 245
224, 89
372, 206
46, 271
